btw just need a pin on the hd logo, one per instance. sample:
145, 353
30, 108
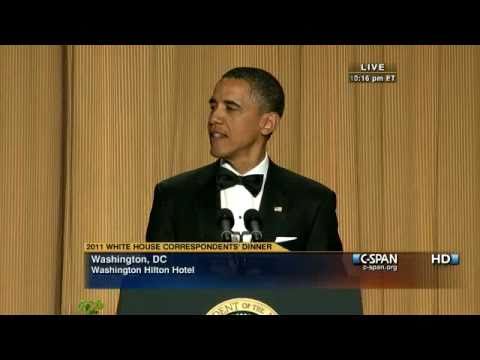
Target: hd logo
376, 261
445, 259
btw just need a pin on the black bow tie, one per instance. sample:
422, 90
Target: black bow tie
226, 179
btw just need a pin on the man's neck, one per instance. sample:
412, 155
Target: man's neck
244, 165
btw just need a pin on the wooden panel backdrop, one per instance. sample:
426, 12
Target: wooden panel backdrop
87, 131
31, 178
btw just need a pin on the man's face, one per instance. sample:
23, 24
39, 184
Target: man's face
234, 120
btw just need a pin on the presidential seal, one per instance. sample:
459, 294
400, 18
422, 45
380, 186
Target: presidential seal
242, 306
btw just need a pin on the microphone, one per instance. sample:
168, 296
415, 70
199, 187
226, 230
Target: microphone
225, 221
253, 223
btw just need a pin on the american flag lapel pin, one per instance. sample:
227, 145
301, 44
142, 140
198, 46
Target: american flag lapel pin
278, 209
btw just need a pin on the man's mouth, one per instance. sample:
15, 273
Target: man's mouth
217, 135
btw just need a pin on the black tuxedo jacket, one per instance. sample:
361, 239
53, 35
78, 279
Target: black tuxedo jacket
185, 209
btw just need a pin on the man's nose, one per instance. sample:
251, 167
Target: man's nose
216, 117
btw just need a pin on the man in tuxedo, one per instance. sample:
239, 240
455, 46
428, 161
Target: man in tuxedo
245, 109
299, 213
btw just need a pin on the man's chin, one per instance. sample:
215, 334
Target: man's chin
215, 154
218, 154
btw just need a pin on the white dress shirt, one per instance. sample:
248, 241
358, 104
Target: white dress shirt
238, 199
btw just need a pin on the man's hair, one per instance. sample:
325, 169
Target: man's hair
264, 86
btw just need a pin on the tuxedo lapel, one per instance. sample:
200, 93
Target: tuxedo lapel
274, 205
207, 204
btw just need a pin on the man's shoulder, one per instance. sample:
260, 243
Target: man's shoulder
301, 184
188, 179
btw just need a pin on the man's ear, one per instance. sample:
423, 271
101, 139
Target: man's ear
268, 123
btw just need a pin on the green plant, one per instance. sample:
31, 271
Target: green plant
90, 307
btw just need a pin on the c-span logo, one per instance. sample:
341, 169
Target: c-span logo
376, 261
242, 306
